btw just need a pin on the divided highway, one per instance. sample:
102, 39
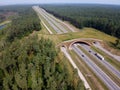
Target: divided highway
104, 62
60, 27
105, 78
97, 44
64, 50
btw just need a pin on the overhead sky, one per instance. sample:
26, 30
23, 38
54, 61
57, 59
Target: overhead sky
7, 2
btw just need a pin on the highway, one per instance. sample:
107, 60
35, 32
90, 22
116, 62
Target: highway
59, 26
47, 27
64, 50
56, 24
97, 44
40, 12
104, 62
55, 21
63, 23
105, 78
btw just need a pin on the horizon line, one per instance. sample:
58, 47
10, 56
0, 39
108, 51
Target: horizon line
58, 4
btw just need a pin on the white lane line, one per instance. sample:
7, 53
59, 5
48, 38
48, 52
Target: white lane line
99, 72
36, 9
47, 27
60, 21
87, 86
107, 52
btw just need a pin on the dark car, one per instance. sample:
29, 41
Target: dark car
82, 55
89, 51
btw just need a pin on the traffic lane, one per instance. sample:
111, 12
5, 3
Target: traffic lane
104, 62
64, 50
58, 20
98, 71
49, 21
55, 22
97, 44
52, 21
111, 85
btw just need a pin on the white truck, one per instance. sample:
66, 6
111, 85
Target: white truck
99, 56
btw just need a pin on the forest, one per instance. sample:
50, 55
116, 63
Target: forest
31, 65
28, 62
105, 18
24, 23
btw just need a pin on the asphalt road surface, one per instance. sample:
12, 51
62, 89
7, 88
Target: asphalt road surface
64, 50
104, 62
60, 21
105, 78
41, 12
59, 26
97, 44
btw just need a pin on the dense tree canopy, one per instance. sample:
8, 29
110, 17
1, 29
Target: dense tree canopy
31, 63
105, 18
25, 23
22, 25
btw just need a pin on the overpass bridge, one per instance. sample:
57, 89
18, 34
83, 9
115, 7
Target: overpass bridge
87, 41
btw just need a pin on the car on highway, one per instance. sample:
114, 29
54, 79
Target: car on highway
82, 55
89, 51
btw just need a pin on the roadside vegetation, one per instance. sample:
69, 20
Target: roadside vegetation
88, 33
30, 64
102, 17
116, 44
29, 61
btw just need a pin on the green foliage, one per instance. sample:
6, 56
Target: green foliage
25, 23
30, 64
2, 18
102, 17
116, 44
1, 78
